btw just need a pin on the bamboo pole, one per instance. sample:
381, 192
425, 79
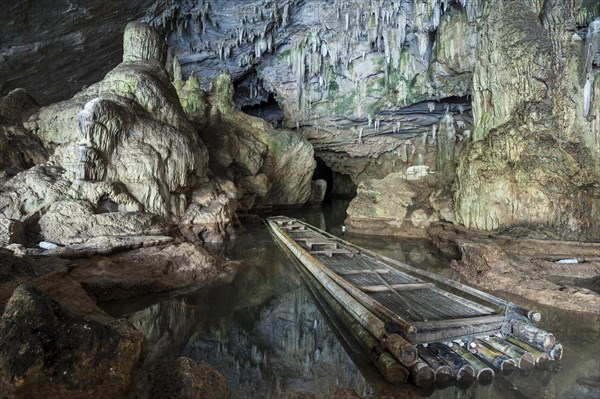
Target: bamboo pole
556, 352
463, 371
532, 335
443, 372
525, 360
421, 373
541, 358
403, 350
482, 372
387, 365
532, 315
495, 358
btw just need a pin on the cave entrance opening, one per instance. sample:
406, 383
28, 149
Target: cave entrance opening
269, 110
339, 185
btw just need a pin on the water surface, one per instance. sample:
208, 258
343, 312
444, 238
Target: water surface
263, 330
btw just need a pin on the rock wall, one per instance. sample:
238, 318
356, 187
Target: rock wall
77, 42
535, 161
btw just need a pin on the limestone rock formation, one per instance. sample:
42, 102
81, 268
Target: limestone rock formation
48, 349
391, 206
129, 128
124, 153
211, 215
74, 221
269, 166
536, 161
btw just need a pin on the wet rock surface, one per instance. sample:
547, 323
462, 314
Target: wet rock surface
147, 270
47, 349
55, 341
532, 269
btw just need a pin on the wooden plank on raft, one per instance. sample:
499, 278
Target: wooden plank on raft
330, 252
470, 321
351, 272
394, 287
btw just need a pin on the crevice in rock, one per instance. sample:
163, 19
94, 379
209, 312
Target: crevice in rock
268, 110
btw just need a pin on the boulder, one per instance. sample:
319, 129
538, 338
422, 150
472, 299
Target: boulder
30, 193
391, 206
146, 270
211, 216
53, 350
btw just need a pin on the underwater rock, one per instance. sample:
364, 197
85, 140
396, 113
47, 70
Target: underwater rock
184, 378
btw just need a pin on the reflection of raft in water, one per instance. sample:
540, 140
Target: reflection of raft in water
405, 322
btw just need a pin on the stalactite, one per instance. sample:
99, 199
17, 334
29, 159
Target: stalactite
587, 95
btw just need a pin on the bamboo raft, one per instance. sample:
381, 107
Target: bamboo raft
404, 320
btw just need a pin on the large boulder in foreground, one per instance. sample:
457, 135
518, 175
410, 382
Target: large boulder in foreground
52, 350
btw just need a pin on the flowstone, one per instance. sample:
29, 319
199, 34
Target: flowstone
124, 156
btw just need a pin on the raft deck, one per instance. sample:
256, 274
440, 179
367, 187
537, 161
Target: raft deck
437, 315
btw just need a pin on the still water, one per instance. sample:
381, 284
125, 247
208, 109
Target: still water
263, 330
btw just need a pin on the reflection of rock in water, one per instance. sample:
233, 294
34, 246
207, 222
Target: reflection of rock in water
261, 330
280, 346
